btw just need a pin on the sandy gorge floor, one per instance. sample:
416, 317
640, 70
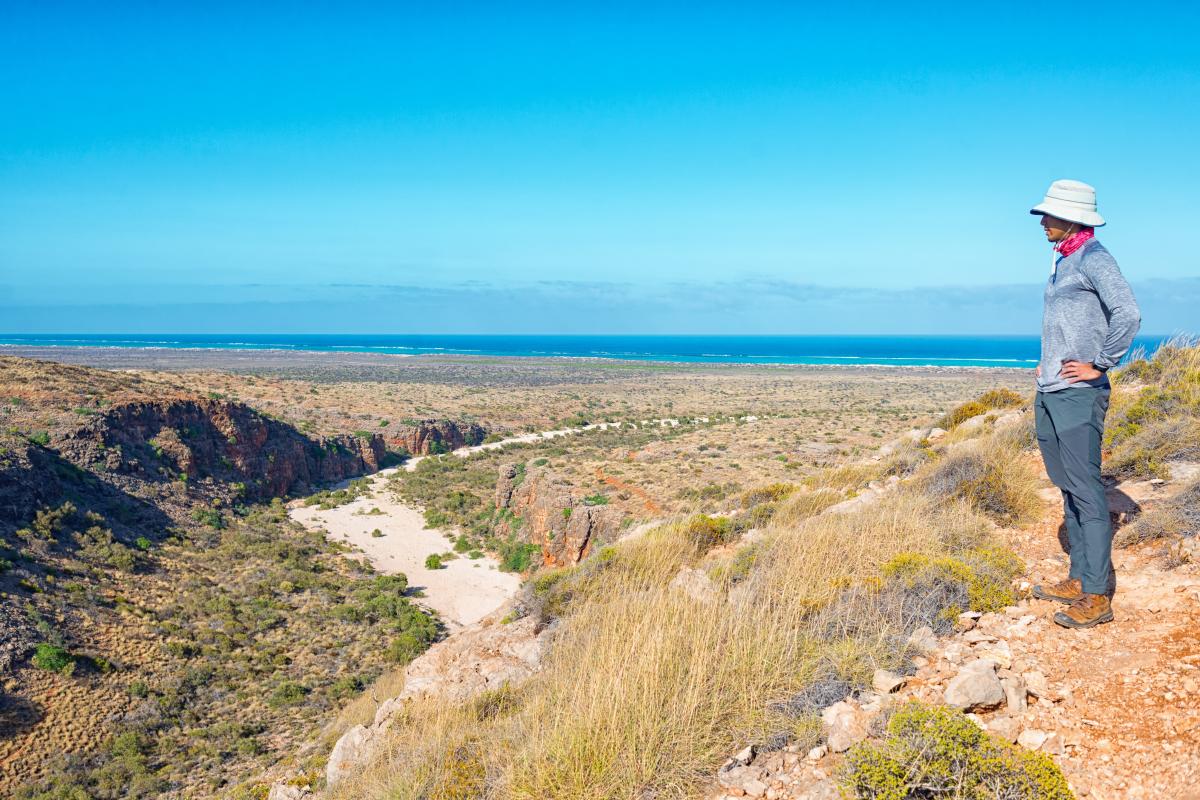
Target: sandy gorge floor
462, 591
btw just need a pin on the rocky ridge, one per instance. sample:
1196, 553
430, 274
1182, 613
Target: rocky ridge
1117, 706
209, 442
489, 655
431, 436
554, 518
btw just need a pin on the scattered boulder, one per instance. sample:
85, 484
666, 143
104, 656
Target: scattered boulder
696, 584
976, 687
487, 655
1014, 690
923, 640
284, 791
1032, 738
885, 681
1006, 728
845, 725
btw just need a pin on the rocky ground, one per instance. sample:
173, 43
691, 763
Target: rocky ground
1117, 706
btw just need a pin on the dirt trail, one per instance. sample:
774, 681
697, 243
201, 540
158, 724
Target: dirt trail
1128, 710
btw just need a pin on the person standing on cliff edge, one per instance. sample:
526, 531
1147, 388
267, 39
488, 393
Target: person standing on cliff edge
1088, 322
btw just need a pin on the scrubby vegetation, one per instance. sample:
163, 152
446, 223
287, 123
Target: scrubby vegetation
936, 752
988, 401
1155, 413
990, 476
252, 620
1177, 517
666, 685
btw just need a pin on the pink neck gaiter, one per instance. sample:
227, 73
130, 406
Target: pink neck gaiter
1074, 241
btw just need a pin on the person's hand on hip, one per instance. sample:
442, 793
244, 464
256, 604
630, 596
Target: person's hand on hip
1076, 371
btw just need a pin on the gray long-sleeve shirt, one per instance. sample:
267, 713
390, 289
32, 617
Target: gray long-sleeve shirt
1090, 315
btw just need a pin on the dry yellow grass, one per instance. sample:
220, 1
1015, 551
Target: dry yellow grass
648, 688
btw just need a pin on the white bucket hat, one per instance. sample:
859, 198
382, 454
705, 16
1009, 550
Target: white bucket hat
1071, 201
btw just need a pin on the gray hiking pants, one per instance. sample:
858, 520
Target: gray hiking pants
1070, 427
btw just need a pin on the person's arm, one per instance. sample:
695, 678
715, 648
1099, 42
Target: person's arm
1124, 317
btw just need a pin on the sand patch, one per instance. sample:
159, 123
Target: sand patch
462, 592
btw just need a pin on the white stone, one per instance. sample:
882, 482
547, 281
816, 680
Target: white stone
696, 584
1014, 691
845, 725
975, 687
1007, 728
923, 641
1032, 738
885, 681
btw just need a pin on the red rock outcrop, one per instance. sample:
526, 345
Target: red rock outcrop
435, 436
563, 525
220, 441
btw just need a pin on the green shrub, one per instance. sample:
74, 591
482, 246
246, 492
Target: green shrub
210, 517
433, 561
705, 532
596, 500
935, 751
988, 401
984, 574
517, 556
287, 693
40, 437
767, 494
407, 646
52, 658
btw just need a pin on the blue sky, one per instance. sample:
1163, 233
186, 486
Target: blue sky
757, 168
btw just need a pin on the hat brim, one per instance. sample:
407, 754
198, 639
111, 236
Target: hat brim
1089, 218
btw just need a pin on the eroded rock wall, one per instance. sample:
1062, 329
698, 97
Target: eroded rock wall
435, 436
552, 515
220, 441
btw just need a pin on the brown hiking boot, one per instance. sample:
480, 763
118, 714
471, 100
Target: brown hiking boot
1067, 591
1088, 610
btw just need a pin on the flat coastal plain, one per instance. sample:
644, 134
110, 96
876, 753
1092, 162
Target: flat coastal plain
647, 440
753, 424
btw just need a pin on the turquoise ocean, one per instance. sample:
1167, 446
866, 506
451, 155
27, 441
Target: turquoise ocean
953, 351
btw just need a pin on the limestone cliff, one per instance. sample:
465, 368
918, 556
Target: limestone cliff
553, 516
218, 442
435, 436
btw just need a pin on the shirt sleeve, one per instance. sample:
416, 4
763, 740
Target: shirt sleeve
1121, 308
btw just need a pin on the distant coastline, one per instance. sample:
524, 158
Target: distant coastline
1012, 352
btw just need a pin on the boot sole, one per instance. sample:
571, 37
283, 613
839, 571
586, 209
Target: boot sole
1042, 594
1066, 622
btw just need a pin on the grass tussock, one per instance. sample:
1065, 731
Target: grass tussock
1175, 518
992, 475
988, 401
647, 690
1154, 417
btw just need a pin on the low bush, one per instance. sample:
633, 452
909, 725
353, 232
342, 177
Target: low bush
1154, 416
988, 401
771, 493
704, 532
52, 658
983, 577
1177, 517
433, 561
287, 693
993, 479
936, 752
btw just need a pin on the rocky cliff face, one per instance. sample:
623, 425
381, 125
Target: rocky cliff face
217, 441
435, 436
555, 519
485, 656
